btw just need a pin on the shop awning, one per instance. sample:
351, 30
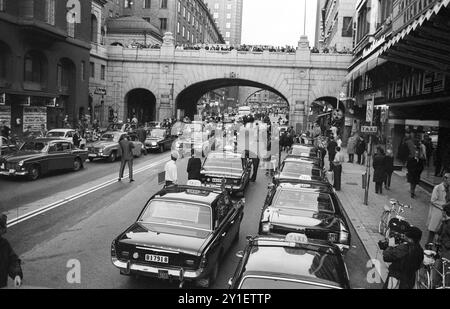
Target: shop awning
366, 65
425, 44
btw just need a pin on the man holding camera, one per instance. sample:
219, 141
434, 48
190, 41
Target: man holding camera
406, 259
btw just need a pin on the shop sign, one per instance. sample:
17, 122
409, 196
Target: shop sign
369, 111
369, 130
34, 117
5, 115
416, 84
25, 101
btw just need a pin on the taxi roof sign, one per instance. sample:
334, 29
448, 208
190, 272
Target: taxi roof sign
194, 183
305, 177
297, 238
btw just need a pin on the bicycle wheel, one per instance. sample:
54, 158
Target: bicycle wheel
423, 279
382, 226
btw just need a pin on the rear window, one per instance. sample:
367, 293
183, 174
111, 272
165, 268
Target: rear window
178, 214
301, 169
303, 200
223, 161
55, 134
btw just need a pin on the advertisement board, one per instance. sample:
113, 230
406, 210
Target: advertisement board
34, 116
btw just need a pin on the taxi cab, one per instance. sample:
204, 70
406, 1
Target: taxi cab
289, 262
182, 234
300, 167
309, 209
229, 166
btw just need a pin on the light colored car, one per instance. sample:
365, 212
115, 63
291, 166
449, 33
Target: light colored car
108, 146
65, 134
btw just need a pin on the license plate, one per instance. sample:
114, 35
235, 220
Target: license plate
163, 274
157, 258
216, 180
11, 171
92, 155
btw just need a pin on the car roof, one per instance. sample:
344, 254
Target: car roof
303, 187
61, 130
196, 195
305, 184
50, 139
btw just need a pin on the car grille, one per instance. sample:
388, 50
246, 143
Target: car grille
11, 166
94, 150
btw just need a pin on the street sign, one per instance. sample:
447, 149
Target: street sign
369, 113
369, 130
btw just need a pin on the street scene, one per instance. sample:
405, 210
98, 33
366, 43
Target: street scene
184, 145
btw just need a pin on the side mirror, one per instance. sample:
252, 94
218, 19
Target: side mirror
240, 254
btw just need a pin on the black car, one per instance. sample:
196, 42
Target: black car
301, 208
182, 233
291, 262
304, 151
159, 139
229, 166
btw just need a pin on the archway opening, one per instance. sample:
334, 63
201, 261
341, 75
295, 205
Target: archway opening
141, 103
189, 99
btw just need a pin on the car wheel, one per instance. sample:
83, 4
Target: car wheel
91, 159
112, 157
77, 165
34, 173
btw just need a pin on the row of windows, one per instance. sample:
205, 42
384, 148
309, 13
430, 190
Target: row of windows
146, 4
102, 71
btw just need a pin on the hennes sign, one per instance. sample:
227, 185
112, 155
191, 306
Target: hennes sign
419, 83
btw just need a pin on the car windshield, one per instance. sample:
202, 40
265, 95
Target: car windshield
109, 137
301, 168
158, 133
266, 283
33, 146
223, 161
302, 151
55, 134
303, 200
179, 214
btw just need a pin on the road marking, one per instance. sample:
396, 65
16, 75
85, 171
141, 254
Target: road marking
66, 200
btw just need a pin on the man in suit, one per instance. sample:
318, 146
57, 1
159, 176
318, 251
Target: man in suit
194, 166
126, 155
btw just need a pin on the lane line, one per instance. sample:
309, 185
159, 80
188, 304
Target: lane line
76, 196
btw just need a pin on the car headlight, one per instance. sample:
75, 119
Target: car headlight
154, 143
266, 227
21, 163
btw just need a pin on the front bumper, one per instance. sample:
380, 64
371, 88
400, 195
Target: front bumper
152, 147
13, 173
174, 273
97, 155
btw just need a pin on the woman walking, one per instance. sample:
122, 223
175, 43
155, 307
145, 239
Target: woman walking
414, 167
389, 168
379, 166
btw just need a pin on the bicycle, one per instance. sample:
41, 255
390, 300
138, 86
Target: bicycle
425, 275
391, 219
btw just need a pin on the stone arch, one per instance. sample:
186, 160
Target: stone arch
140, 103
187, 98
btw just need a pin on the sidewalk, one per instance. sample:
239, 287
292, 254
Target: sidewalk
365, 219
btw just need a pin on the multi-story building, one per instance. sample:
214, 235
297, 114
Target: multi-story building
189, 20
44, 62
228, 16
336, 24
401, 63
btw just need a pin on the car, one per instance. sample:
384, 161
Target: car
289, 262
159, 139
229, 166
301, 208
300, 168
315, 160
304, 151
108, 146
66, 134
182, 234
120, 127
41, 156
7, 146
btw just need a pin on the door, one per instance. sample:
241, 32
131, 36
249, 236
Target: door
57, 157
68, 157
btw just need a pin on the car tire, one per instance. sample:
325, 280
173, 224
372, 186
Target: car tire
91, 159
77, 165
112, 157
34, 173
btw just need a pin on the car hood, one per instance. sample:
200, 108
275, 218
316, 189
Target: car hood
164, 237
21, 156
298, 217
99, 144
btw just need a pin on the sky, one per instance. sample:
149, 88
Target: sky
277, 22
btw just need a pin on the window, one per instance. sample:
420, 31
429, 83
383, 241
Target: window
216, 6
178, 27
228, 25
163, 4
227, 34
184, 31
128, 3
147, 4
2, 5
163, 23
229, 6
92, 68
83, 70
50, 12
216, 15
179, 6
363, 22
34, 67
384, 10
71, 29
103, 72
59, 75
347, 27
228, 15
94, 29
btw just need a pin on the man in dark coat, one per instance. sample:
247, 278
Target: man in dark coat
389, 168
126, 155
406, 259
194, 167
360, 149
414, 167
9, 261
379, 167
331, 151
76, 139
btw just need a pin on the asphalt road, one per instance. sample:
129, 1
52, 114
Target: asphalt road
52, 243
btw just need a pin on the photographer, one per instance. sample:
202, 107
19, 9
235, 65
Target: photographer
406, 259
9, 261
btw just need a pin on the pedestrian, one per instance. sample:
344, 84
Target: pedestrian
389, 168
28, 133
379, 167
43, 131
339, 159
142, 135
444, 242
255, 163
194, 166
171, 170
134, 120
406, 259
331, 148
76, 139
360, 149
351, 147
439, 198
414, 167
10, 264
5, 131
126, 157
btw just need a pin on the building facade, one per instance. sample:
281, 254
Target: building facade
228, 16
44, 59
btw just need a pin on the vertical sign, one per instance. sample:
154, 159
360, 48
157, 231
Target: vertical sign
369, 113
5, 115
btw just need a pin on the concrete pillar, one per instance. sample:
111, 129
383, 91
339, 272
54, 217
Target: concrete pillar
297, 119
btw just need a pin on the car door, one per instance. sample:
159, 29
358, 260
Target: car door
229, 224
68, 157
56, 157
